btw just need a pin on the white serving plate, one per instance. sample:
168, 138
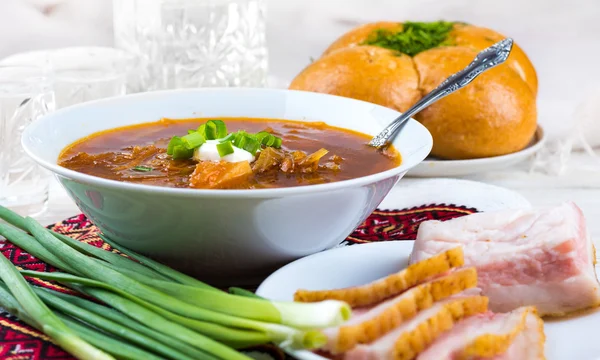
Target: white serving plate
432, 167
569, 338
473, 194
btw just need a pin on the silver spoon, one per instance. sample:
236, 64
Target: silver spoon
485, 60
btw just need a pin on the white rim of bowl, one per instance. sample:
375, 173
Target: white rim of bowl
222, 193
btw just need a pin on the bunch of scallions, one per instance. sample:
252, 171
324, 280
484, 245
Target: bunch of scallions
143, 309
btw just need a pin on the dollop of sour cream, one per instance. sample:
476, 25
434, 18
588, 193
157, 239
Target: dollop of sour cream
208, 152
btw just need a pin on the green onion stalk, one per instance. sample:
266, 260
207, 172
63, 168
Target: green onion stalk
299, 315
237, 332
161, 324
118, 329
184, 351
33, 247
42, 318
243, 292
111, 345
188, 302
202, 347
158, 267
110, 257
328, 313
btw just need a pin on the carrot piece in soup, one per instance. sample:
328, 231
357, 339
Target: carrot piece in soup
219, 175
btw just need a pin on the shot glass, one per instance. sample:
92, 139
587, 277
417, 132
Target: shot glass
25, 95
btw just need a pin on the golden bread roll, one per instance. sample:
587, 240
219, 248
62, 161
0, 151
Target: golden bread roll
480, 38
395, 64
368, 73
464, 125
462, 35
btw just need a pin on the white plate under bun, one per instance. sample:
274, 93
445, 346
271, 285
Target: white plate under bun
432, 167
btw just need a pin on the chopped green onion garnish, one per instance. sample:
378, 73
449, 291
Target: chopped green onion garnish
240, 141
229, 137
213, 129
210, 131
181, 152
216, 130
141, 168
183, 147
262, 135
175, 140
225, 148
202, 130
268, 139
220, 128
193, 140
246, 141
252, 146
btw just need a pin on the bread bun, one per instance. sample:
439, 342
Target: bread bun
368, 73
480, 38
494, 115
472, 36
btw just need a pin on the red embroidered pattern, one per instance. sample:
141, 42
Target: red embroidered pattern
403, 224
21, 342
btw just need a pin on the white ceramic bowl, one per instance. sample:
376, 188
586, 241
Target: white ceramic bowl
224, 236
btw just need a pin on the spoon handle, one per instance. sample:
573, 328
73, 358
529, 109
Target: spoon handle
485, 60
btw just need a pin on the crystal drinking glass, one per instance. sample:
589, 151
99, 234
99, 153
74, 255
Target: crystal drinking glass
25, 95
80, 74
194, 43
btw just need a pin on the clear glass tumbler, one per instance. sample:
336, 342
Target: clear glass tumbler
81, 74
194, 43
25, 95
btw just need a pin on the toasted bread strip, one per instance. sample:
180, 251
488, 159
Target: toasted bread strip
385, 317
392, 285
411, 343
